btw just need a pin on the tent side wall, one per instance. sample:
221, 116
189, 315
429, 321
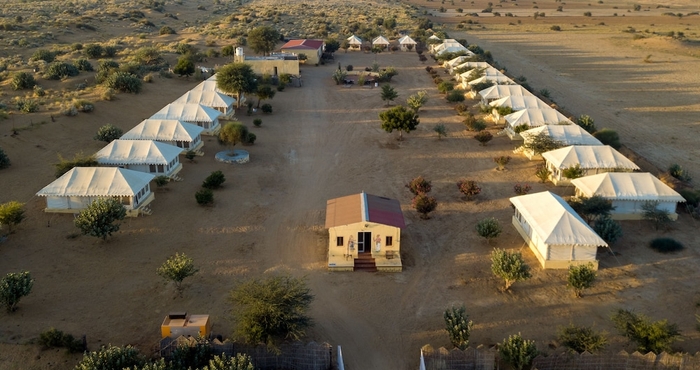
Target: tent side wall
632, 210
557, 177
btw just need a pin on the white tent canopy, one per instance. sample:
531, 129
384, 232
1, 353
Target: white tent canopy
554, 221
128, 152
640, 186
380, 40
498, 79
520, 102
589, 157
354, 40
536, 117
434, 37
207, 98
470, 65
206, 117
452, 63
406, 40
209, 85
97, 181
501, 91
163, 130
566, 134
453, 49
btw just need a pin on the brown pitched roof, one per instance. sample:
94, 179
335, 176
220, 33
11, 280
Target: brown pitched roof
364, 208
305, 44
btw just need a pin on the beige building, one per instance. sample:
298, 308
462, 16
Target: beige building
273, 65
313, 49
364, 233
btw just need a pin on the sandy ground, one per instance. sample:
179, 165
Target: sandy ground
325, 141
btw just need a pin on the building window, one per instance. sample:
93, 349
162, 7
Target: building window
152, 168
339, 241
389, 241
160, 168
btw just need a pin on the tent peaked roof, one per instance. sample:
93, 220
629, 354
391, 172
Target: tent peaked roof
434, 37
500, 79
500, 91
641, 186
589, 156
208, 98
472, 65
520, 102
188, 112
209, 85
364, 207
303, 44
354, 40
406, 40
567, 134
164, 130
554, 221
97, 181
124, 152
536, 117
380, 40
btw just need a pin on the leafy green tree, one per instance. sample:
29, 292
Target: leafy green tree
510, 266
184, 67
108, 133
79, 160
440, 130
581, 278
13, 287
586, 123
399, 118
332, 45
233, 133
424, 204
489, 228
273, 309
573, 172
176, 269
214, 180
458, 326
22, 80
591, 208
388, 94
649, 336
98, 219
541, 143
419, 185
608, 137
237, 78
518, 352
263, 39
264, 92
148, 55
112, 358
4, 160
417, 100
445, 86
227, 51
661, 218
582, 339
608, 229
11, 213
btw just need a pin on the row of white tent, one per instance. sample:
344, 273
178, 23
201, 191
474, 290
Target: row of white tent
151, 148
405, 42
556, 234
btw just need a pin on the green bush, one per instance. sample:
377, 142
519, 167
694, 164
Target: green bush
266, 108
504, 110
458, 326
250, 138
166, 30
43, 54
79, 160
111, 357
445, 86
521, 127
587, 123
510, 267
214, 180
424, 204
108, 133
474, 124
517, 351
649, 336
109, 51
666, 245
83, 105
4, 160
125, 82
454, 96
581, 339
13, 287
419, 185
228, 51
661, 218
60, 70
692, 197
93, 51
83, 65
678, 172
608, 137
27, 105
489, 228
581, 278
54, 338
608, 229
161, 180
204, 197
22, 80
257, 122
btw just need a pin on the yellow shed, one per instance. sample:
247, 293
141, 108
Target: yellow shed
181, 324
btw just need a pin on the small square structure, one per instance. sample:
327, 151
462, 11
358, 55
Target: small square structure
181, 324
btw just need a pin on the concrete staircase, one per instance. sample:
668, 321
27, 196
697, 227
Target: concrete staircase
365, 262
146, 211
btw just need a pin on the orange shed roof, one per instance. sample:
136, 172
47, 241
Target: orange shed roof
307, 44
364, 208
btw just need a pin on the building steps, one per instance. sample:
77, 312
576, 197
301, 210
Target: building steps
365, 262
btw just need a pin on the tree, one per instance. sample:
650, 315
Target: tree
424, 204
582, 338
214, 180
332, 45
399, 118
273, 309
99, 217
489, 228
591, 208
586, 123
149, 56
542, 173
13, 287
458, 326
483, 137
661, 218
608, 137
440, 130
541, 143
111, 358
264, 92
11, 213
4, 160
517, 351
649, 336
177, 268
388, 94
469, 188
581, 278
345, 45
223, 362
237, 78
511, 267
184, 67
608, 229
419, 185
233, 133
573, 172
108, 133
417, 100
263, 39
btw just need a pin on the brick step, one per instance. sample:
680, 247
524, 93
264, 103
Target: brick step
365, 263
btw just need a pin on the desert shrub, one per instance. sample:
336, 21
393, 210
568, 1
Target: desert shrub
666, 245
108, 133
161, 180
679, 172
176, 269
76, 47
228, 51
53, 338
69, 110
458, 326
60, 70
489, 228
109, 51
13, 287
504, 110
266, 108
456, 95
39, 91
608, 137
424, 204
93, 51
661, 218
649, 336
474, 124
437, 80
43, 54
250, 138
517, 351
587, 14
581, 339
111, 357
573, 172
184, 67
4, 160
483, 137
214, 180
99, 218
125, 82
555, 28
521, 127
461, 108
608, 229
542, 143
257, 122
166, 30
469, 188
502, 161
581, 278
445, 86
587, 123
22, 80
204, 197
419, 185
692, 197
79, 160
11, 214
84, 106
482, 85
83, 65
440, 130
27, 105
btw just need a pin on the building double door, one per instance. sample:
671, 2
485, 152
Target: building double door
364, 242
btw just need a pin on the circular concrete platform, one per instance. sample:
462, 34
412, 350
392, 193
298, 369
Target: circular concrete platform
235, 156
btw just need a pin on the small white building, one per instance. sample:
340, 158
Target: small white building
565, 134
516, 103
197, 114
355, 42
449, 46
555, 233
142, 155
169, 131
533, 117
496, 92
77, 188
407, 43
213, 99
628, 193
453, 63
381, 42
592, 159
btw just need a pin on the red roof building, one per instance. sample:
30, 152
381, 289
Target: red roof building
312, 48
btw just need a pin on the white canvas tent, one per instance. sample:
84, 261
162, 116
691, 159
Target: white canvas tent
381, 42
555, 233
501, 91
499, 79
565, 134
487, 72
169, 131
434, 37
77, 188
142, 155
453, 49
355, 42
446, 44
469, 66
533, 117
452, 63
205, 117
210, 85
592, 159
516, 103
407, 43
628, 193
213, 99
